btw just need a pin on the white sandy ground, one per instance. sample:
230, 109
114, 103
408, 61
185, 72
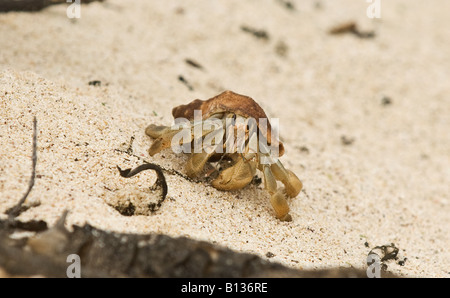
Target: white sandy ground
390, 185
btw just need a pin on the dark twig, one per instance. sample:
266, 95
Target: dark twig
193, 63
260, 34
130, 146
160, 181
18, 209
170, 171
352, 28
32, 5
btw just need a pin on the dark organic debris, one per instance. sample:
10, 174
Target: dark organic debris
95, 83
185, 82
349, 27
19, 208
160, 185
386, 100
32, 225
130, 145
32, 5
256, 180
169, 171
110, 254
281, 48
269, 254
260, 34
352, 28
402, 262
286, 4
193, 63
386, 253
127, 209
347, 141
11, 223
303, 149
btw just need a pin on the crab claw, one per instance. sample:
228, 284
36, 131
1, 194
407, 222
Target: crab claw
237, 176
196, 162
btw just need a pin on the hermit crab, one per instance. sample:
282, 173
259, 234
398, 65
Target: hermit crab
233, 131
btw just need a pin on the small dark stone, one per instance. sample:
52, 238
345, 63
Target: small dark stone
347, 141
257, 180
385, 101
402, 262
281, 49
127, 210
95, 83
287, 4
303, 149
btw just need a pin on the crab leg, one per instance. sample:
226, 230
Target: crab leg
164, 135
277, 198
292, 184
163, 141
156, 131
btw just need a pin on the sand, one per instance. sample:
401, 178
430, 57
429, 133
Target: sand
364, 121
